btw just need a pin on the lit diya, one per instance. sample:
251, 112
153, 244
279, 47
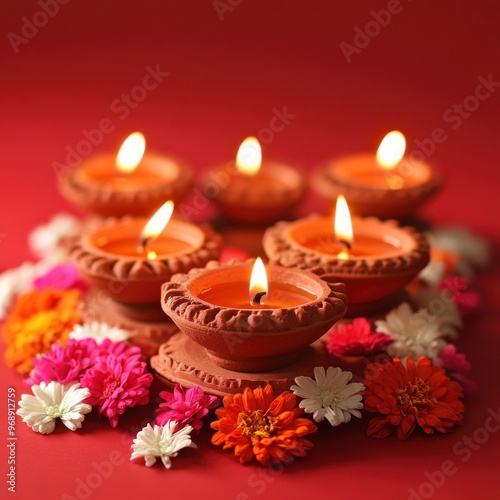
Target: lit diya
375, 259
386, 185
254, 192
126, 261
244, 324
133, 182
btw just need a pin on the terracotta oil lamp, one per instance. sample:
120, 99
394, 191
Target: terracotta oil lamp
385, 185
132, 183
375, 259
255, 192
242, 326
127, 260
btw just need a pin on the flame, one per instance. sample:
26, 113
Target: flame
157, 223
249, 157
258, 280
131, 153
343, 226
391, 150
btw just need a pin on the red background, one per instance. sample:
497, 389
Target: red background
225, 78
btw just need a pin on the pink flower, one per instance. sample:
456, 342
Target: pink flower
61, 277
63, 364
457, 368
120, 348
357, 339
185, 407
117, 383
467, 300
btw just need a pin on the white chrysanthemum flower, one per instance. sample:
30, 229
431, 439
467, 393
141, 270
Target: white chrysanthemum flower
440, 303
330, 395
51, 401
98, 332
19, 280
473, 251
415, 334
44, 239
161, 442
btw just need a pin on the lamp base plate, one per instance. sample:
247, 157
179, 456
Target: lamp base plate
182, 361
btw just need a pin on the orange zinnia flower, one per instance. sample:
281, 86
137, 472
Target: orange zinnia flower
258, 425
37, 320
409, 396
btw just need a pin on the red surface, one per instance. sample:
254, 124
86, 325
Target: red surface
225, 80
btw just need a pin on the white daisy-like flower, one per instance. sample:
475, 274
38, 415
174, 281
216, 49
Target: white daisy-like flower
473, 251
415, 334
433, 273
51, 401
45, 238
441, 304
161, 442
98, 332
330, 395
19, 280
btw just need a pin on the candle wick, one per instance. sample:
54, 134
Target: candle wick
143, 245
258, 297
346, 244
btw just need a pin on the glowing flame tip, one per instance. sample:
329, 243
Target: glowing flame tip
249, 157
131, 153
258, 280
391, 150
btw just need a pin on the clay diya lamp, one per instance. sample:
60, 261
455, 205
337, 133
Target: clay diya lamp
385, 185
375, 259
132, 183
236, 335
127, 260
253, 192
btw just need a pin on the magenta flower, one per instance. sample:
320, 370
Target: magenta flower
185, 407
63, 364
119, 348
117, 383
467, 300
457, 368
357, 339
61, 277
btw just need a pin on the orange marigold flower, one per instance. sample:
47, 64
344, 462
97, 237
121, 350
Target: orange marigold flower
258, 425
409, 396
37, 320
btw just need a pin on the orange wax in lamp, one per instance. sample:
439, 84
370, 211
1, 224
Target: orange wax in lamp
375, 259
255, 293
337, 239
251, 191
134, 182
150, 242
387, 185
